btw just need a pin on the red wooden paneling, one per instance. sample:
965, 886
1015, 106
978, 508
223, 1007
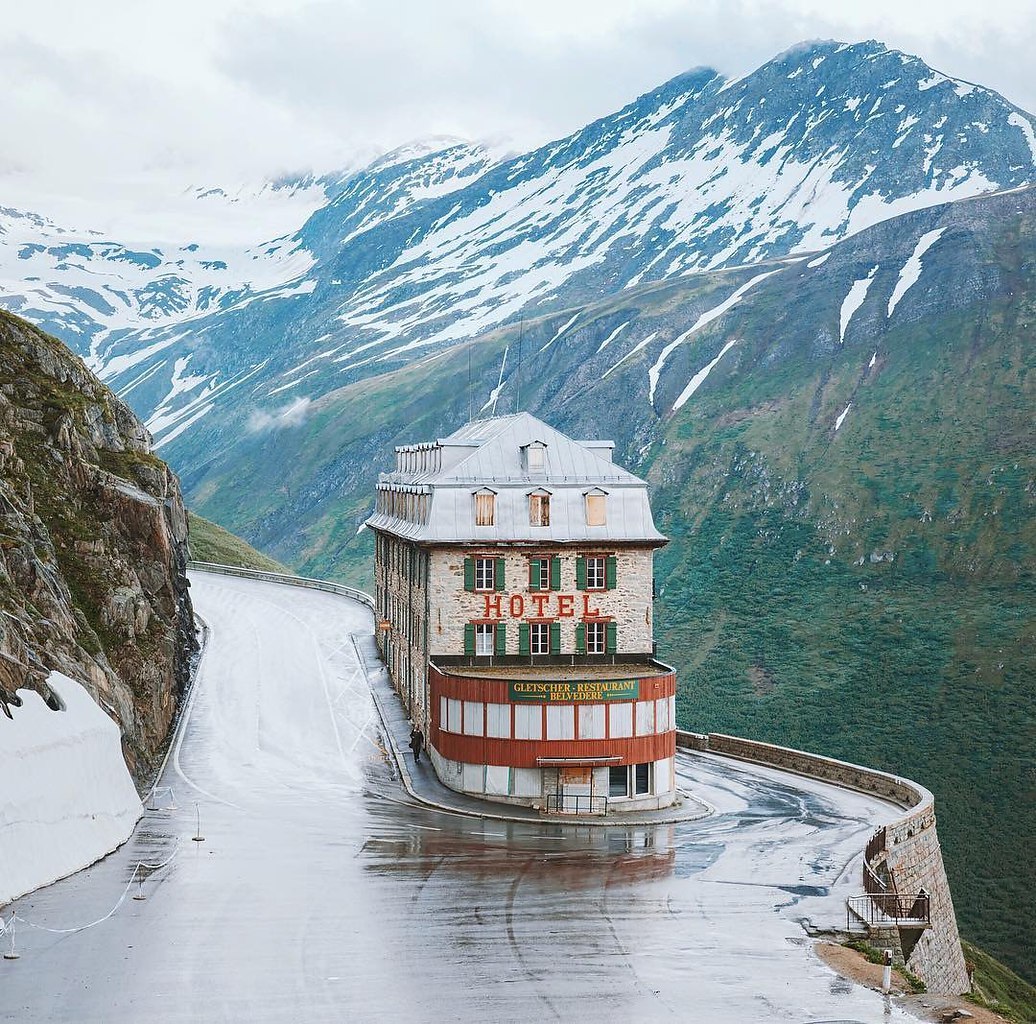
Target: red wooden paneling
523, 753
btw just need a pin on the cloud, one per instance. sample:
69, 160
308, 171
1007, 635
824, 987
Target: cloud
124, 103
293, 414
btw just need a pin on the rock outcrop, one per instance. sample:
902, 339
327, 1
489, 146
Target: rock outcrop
93, 545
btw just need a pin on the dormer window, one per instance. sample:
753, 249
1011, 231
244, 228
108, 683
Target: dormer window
485, 507
539, 508
596, 507
535, 457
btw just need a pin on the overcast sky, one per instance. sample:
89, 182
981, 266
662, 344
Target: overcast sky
107, 104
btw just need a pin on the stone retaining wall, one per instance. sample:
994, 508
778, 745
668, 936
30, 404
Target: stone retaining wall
912, 854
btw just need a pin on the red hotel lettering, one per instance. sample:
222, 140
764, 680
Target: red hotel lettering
517, 606
493, 609
589, 612
540, 601
565, 603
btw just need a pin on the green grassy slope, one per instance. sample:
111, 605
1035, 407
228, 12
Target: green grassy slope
999, 988
211, 543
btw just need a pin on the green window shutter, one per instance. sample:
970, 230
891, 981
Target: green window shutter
469, 573
523, 638
555, 638
500, 636
610, 632
580, 638
580, 573
534, 573
610, 571
498, 575
469, 638
555, 574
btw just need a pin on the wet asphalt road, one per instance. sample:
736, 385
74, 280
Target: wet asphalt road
320, 893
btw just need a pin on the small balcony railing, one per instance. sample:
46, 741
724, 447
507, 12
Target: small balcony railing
571, 803
905, 910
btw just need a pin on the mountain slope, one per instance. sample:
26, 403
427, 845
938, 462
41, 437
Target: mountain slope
92, 545
431, 249
850, 493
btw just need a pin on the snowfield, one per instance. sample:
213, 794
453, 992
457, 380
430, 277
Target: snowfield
66, 798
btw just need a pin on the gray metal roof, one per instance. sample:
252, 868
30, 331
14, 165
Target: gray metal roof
489, 454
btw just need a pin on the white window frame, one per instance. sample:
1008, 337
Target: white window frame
485, 574
498, 721
543, 583
536, 457
539, 638
561, 722
528, 722
453, 717
645, 718
485, 648
620, 720
591, 721
596, 570
650, 766
474, 724
596, 638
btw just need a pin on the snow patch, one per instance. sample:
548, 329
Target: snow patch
614, 334
636, 348
1024, 125
561, 331
910, 272
699, 378
819, 261
852, 302
67, 798
842, 415
706, 318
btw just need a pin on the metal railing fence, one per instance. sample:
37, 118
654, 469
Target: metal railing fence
291, 581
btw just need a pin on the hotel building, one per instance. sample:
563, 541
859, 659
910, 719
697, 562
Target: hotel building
513, 571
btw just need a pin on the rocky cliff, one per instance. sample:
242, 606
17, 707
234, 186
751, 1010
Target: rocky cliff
93, 545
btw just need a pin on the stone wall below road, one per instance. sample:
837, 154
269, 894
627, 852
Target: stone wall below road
911, 853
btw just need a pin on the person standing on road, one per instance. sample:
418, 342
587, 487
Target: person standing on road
416, 743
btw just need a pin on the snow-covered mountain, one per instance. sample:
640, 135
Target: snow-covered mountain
434, 246
83, 284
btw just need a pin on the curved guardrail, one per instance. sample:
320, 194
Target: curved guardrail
292, 581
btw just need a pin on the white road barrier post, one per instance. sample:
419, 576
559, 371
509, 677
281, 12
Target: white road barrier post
139, 895
8, 927
198, 837
886, 974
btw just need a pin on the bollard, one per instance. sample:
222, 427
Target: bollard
13, 953
886, 974
198, 837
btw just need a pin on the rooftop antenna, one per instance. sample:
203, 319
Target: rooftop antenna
518, 388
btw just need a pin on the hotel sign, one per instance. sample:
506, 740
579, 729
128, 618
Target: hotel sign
535, 691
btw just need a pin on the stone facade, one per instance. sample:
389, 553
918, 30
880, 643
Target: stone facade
401, 572
628, 604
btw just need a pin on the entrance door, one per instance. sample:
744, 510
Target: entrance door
576, 790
